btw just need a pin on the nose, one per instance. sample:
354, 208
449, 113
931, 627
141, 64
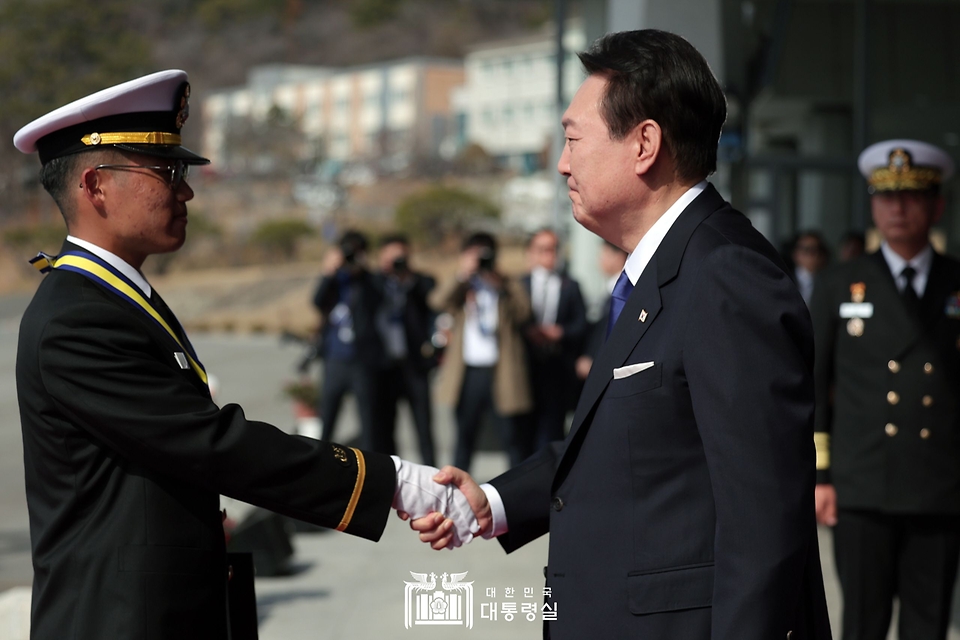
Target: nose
563, 164
184, 192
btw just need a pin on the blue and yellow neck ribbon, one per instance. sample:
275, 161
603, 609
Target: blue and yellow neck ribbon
101, 272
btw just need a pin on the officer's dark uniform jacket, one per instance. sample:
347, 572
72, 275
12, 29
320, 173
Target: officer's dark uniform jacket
888, 385
125, 455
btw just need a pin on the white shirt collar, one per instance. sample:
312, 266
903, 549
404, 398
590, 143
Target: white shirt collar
921, 262
116, 262
650, 242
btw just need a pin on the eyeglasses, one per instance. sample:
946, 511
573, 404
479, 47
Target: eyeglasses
177, 171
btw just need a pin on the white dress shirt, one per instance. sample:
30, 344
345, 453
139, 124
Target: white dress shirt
921, 263
804, 283
481, 318
544, 295
636, 262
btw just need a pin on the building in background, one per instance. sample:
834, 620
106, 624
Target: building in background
809, 84
385, 116
508, 105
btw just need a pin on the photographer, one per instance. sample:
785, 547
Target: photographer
405, 324
484, 368
348, 299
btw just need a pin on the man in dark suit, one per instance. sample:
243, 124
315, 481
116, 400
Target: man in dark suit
680, 506
553, 337
125, 453
349, 298
405, 321
888, 411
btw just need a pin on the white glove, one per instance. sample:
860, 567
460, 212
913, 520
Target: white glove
418, 495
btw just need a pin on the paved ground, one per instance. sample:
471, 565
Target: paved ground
344, 587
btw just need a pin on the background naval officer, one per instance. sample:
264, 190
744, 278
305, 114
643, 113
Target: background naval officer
887, 370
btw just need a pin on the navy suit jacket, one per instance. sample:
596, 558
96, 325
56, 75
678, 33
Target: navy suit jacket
681, 504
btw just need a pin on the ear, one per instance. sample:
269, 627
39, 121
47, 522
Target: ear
91, 187
648, 142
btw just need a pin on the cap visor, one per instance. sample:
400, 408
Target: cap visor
173, 152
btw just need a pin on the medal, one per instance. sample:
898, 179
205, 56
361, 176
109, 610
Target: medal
952, 309
857, 291
855, 327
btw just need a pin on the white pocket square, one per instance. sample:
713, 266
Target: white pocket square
628, 370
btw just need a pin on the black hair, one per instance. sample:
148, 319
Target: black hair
354, 241
480, 239
660, 76
821, 243
59, 177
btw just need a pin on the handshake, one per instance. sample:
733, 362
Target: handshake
446, 506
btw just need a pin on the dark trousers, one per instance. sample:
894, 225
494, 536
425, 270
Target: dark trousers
339, 378
404, 380
880, 556
551, 384
475, 402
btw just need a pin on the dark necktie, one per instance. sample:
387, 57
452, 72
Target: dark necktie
909, 294
618, 299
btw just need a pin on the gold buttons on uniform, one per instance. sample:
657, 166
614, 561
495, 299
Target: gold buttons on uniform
927, 401
924, 433
891, 429
928, 368
894, 366
893, 397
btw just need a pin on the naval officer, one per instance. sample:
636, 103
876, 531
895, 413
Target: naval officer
887, 329
125, 452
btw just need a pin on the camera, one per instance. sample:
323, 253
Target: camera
485, 260
349, 251
400, 264
352, 246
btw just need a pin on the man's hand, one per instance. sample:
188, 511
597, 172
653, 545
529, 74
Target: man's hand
468, 263
826, 500
583, 366
552, 332
440, 532
332, 261
419, 495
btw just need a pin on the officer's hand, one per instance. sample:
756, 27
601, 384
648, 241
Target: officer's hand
438, 531
826, 500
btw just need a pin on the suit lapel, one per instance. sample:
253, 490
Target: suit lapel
629, 329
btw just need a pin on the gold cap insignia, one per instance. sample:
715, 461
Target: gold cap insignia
184, 105
901, 174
